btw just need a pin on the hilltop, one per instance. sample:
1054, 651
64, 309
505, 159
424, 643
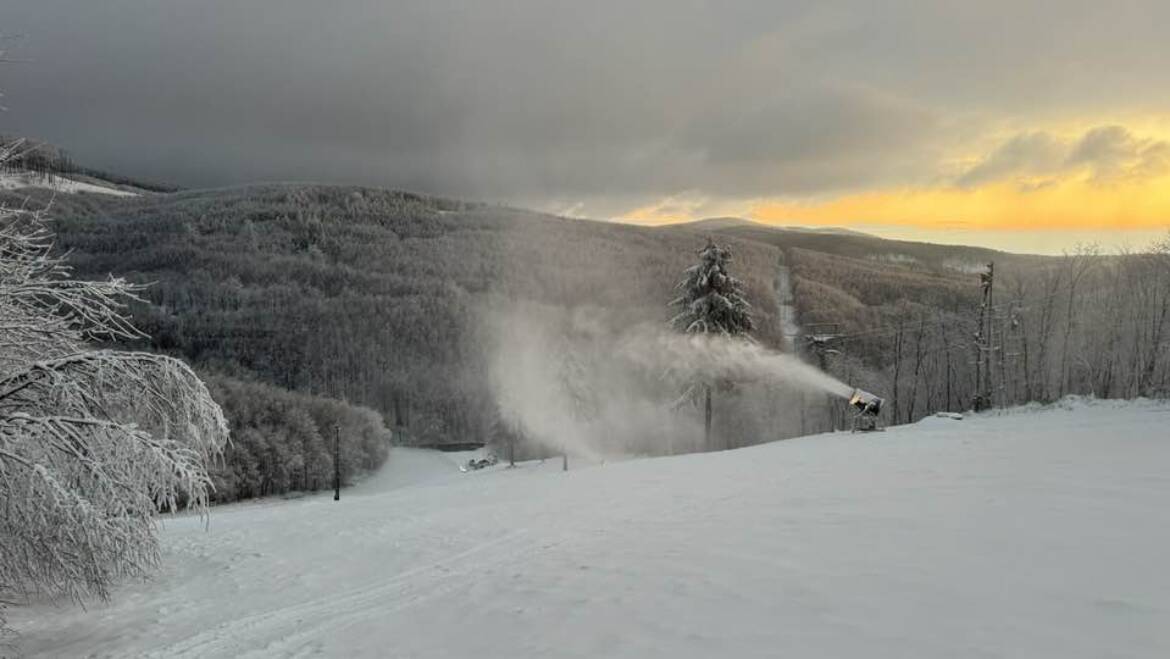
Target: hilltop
34, 164
720, 224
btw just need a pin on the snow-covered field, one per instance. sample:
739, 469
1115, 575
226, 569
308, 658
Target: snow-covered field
58, 183
1033, 533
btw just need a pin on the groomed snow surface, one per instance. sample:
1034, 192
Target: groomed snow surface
1030, 533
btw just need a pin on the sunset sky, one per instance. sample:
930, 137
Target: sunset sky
1029, 126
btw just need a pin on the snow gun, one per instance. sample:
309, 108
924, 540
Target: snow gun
868, 408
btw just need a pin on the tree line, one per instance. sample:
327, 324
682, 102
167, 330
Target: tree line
282, 441
1084, 323
44, 160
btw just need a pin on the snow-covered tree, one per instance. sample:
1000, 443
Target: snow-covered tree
93, 443
711, 301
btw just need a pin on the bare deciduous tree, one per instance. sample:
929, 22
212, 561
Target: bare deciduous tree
93, 443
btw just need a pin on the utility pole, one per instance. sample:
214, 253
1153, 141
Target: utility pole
337, 463
990, 331
1004, 319
983, 341
947, 351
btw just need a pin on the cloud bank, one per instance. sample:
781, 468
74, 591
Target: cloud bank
603, 108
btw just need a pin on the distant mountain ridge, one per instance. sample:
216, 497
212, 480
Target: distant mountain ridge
722, 223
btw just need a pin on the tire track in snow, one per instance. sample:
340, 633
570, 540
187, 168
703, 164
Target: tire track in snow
292, 627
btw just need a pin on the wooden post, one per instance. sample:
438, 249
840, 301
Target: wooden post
337, 463
803, 425
707, 420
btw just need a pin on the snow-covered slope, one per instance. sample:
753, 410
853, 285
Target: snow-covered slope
1035, 533
15, 181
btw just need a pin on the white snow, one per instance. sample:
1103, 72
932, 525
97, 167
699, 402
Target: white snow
18, 181
1033, 533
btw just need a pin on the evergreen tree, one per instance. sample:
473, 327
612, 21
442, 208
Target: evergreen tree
711, 302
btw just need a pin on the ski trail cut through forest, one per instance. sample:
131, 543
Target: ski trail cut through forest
786, 302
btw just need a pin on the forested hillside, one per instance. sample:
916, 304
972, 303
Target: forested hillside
379, 298
911, 320
371, 296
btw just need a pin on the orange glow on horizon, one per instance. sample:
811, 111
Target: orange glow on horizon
1072, 205
1027, 185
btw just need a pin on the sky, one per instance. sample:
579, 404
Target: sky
1028, 126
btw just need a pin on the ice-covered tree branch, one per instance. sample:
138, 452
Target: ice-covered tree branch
93, 443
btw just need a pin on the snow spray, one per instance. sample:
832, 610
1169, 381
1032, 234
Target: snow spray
718, 357
569, 380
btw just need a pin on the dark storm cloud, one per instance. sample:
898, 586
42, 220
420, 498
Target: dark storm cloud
1108, 150
1034, 153
543, 99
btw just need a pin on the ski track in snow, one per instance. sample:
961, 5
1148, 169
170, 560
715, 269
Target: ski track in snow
1025, 533
292, 626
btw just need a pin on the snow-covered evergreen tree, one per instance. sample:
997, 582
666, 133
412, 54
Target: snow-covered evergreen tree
711, 301
93, 443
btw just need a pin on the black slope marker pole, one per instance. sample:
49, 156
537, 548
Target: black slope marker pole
337, 463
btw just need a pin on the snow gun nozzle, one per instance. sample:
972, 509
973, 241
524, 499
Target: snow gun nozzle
866, 403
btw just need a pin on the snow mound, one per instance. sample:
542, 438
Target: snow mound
1030, 534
